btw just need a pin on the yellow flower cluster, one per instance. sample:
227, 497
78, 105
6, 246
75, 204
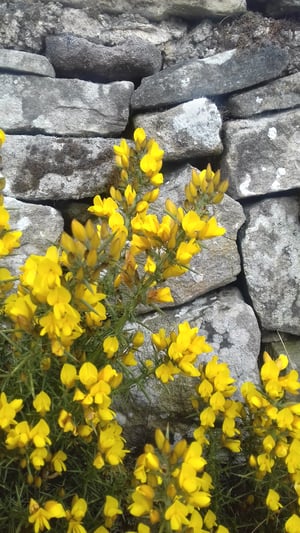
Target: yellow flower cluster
215, 391
62, 441
205, 188
275, 422
179, 351
172, 488
99, 418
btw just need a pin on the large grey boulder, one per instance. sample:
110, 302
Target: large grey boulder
218, 264
41, 226
32, 104
219, 74
283, 93
262, 154
16, 61
271, 259
53, 168
230, 327
188, 130
155, 9
75, 57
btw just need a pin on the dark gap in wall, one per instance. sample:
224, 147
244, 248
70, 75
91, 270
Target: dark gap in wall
266, 196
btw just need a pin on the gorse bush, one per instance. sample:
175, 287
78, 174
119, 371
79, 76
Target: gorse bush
68, 353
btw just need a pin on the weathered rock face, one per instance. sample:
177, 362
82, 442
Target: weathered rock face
187, 130
16, 61
157, 10
262, 154
271, 258
231, 329
74, 168
283, 93
219, 74
41, 226
63, 107
74, 57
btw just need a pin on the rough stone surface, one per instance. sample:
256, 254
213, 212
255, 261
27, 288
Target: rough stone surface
191, 129
52, 168
219, 74
74, 57
249, 30
271, 259
111, 30
218, 264
262, 154
230, 327
24, 24
279, 94
63, 107
41, 226
25, 62
155, 9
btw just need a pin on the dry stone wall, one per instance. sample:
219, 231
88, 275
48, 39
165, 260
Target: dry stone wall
212, 81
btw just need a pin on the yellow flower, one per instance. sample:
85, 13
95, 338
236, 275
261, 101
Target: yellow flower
162, 295
141, 505
111, 510
208, 417
19, 436
130, 195
20, 309
139, 136
110, 346
8, 410
40, 516
2, 137
65, 421
103, 208
88, 374
292, 525
58, 461
42, 403
177, 515
186, 251
272, 500
165, 372
38, 456
39, 434
122, 153
68, 375
138, 339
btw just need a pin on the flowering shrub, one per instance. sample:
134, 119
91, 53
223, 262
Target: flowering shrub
67, 354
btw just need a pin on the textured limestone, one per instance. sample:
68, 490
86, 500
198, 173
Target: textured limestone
41, 226
53, 168
271, 260
188, 130
262, 155
32, 104
74, 57
283, 93
16, 61
219, 74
